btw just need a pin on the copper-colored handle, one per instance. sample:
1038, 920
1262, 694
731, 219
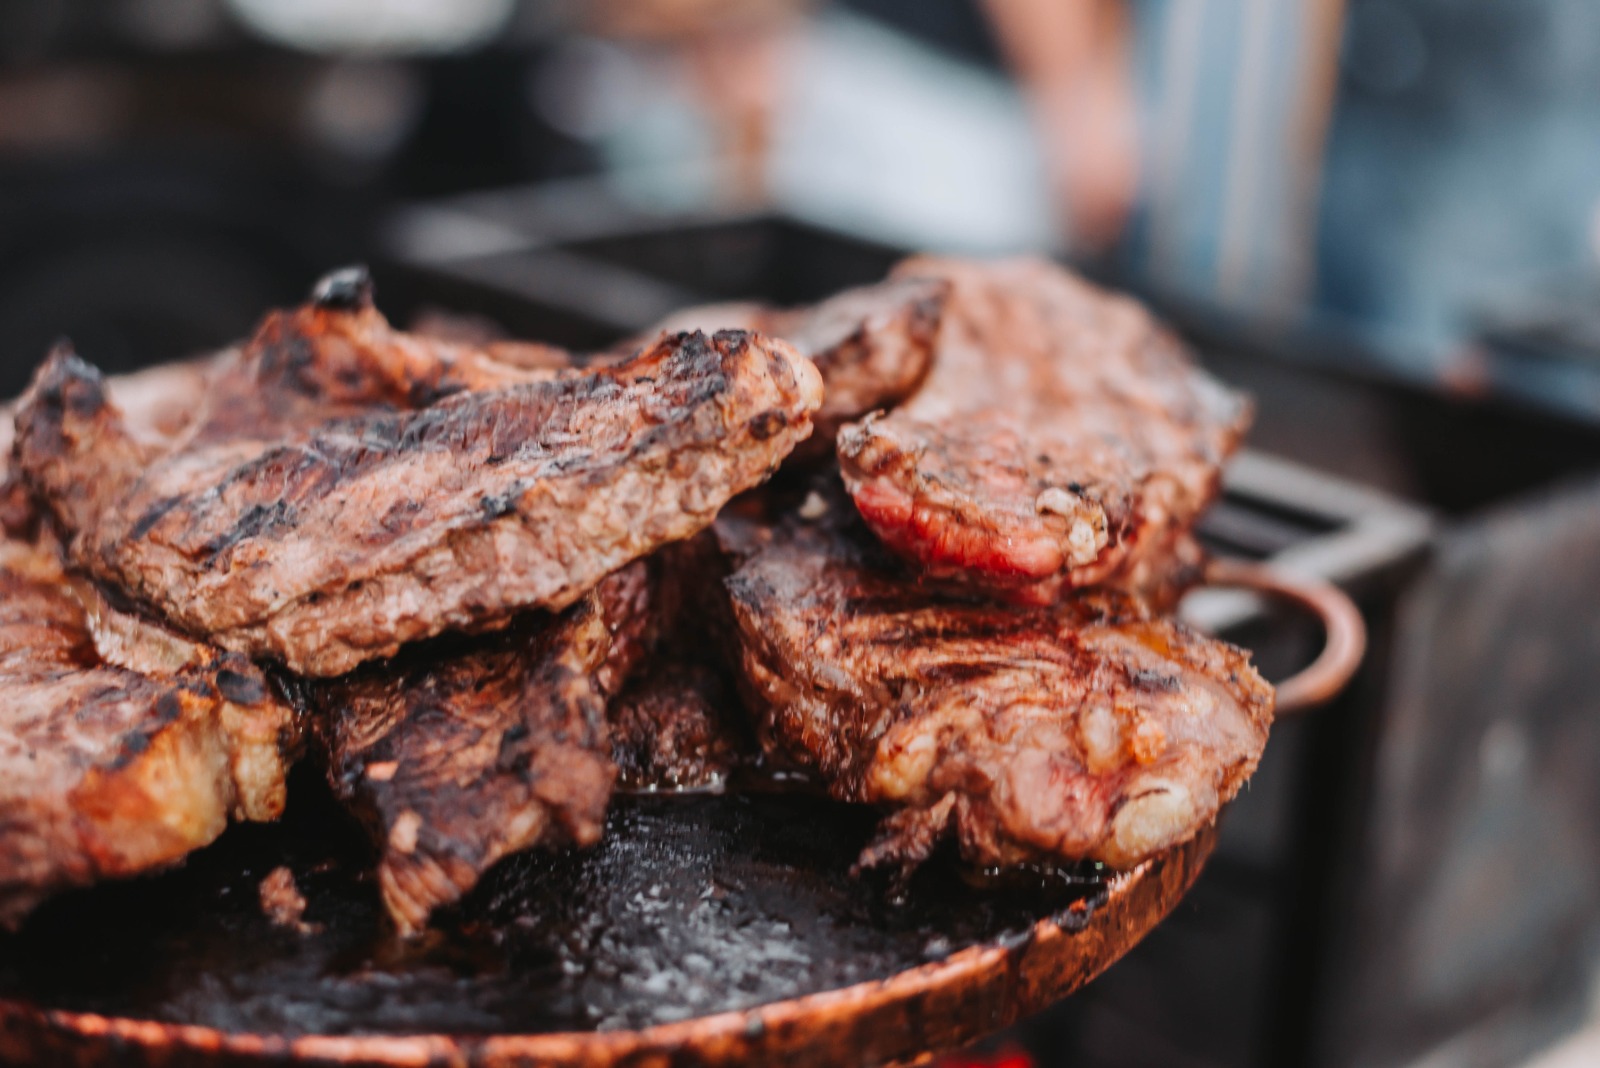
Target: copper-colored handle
1345, 630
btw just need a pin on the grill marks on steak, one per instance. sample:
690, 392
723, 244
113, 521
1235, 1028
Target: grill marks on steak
1062, 439
334, 490
872, 345
468, 750
348, 488
1090, 729
123, 747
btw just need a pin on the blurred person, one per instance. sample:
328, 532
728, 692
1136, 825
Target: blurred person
1234, 100
1074, 62
733, 53
1182, 139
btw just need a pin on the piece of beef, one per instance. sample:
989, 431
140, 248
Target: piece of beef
669, 709
123, 747
346, 488
1062, 439
282, 902
631, 605
1088, 729
872, 345
466, 750
671, 728
156, 402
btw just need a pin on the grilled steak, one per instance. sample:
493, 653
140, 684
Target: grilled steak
346, 488
1088, 729
631, 604
670, 728
122, 746
1062, 438
872, 344
470, 749
666, 676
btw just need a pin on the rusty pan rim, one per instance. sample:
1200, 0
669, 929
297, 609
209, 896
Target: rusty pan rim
936, 1006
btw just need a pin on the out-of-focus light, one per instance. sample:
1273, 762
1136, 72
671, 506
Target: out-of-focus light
586, 87
1385, 50
1503, 751
171, 23
361, 110
375, 27
1594, 231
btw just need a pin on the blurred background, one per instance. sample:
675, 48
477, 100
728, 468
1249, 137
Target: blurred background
1381, 216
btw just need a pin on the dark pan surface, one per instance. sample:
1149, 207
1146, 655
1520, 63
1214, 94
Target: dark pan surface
691, 905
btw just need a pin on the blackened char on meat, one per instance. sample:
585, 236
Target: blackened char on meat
672, 722
466, 750
346, 488
671, 728
1089, 729
631, 605
872, 345
1062, 439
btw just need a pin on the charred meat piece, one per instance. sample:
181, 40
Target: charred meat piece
470, 749
123, 746
126, 745
670, 728
156, 402
1089, 729
1062, 439
666, 677
872, 345
282, 902
346, 488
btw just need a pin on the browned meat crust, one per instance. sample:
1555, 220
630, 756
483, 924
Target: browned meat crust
872, 345
670, 728
631, 605
282, 902
666, 675
122, 747
347, 488
1063, 438
1090, 729
468, 750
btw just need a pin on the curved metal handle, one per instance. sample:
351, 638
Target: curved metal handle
1345, 630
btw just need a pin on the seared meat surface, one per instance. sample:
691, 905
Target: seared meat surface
487, 569
123, 747
670, 728
631, 605
469, 749
345, 488
1088, 729
672, 721
282, 902
1062, 438
872, 345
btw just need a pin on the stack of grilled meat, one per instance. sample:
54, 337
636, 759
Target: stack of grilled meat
919, 544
